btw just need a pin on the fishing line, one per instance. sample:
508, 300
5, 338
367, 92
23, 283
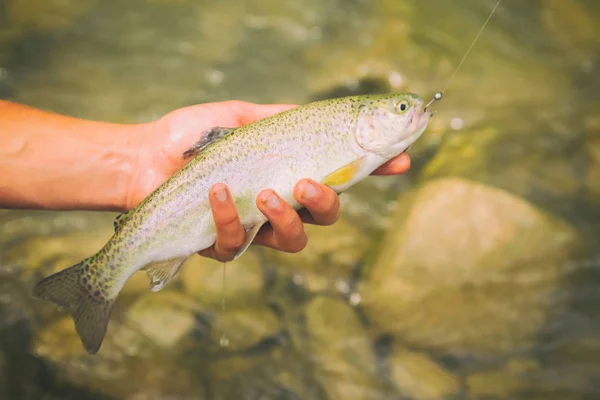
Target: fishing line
223, 341
438, 95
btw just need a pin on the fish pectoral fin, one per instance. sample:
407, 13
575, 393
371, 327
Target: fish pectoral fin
161, 272
209, 137
120, 220
250, 235
340, 178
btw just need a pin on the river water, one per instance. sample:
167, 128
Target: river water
385, 304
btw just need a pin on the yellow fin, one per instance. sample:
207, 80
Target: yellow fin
343, 175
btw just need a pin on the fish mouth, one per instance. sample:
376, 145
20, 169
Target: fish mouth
418, 118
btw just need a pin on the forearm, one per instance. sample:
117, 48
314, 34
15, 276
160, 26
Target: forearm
50, 161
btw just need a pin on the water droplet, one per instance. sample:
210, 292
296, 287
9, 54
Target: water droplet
355, 299
298, 280
224, 341
395, 79
342, 286
215, 77
456, 123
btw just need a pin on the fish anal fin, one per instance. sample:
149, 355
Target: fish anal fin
161, 272
209, 137
344, 176
250, 235
91, 314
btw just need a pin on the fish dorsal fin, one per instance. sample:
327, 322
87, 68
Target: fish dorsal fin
120, 220
161, 272
209, 137
250, 235
340, 179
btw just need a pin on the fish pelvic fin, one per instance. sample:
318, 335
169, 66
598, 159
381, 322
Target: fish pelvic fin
161, 272
90, 309
250, 235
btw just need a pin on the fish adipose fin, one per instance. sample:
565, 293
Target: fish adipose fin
161, 272
90, 311
250, 235
209, 137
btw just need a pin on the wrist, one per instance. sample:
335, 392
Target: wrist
54, 162
116, 167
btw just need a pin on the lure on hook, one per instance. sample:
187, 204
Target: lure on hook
437, 96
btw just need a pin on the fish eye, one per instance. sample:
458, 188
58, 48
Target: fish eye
401, 106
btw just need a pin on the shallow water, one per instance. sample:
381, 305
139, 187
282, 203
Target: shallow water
522, 115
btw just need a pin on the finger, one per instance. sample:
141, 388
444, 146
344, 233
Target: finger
396, 166
287, 231
321, 201
230, 233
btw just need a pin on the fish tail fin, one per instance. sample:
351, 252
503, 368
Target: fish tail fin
90, 314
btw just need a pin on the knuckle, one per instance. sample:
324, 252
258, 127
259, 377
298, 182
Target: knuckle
226, 220
232, 242
292, 225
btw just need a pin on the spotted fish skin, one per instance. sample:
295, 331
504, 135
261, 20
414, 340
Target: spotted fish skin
337, 142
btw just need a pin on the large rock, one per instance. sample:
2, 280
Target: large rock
341, 351
466, 268
420, 377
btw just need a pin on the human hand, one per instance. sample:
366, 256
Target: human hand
161, 156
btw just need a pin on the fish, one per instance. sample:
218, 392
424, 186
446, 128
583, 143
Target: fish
337, 142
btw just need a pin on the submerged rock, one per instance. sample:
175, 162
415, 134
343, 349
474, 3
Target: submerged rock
272, 372
421, 378
3, 374
502, 383
165, 318
593, 175
45, 15
129, 364
466, 268
243, 328
240, 282
341, 351
530, 158
329, 257
46, 254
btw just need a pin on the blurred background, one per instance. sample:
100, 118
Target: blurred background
474, 276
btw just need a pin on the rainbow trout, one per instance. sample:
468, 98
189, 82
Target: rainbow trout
337, 142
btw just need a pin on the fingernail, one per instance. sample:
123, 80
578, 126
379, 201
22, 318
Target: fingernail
221, 193
309, 191
270, 200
